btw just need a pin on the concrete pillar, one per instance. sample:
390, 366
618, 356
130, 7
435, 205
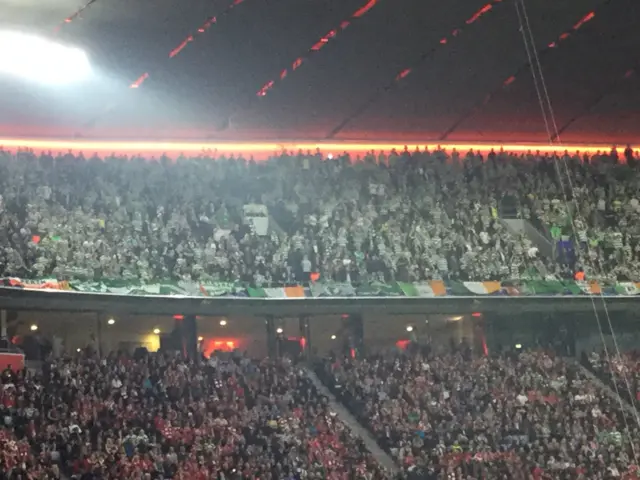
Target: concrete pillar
3, 324
272, 341
99, 319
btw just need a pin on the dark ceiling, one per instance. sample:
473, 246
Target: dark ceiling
452, 70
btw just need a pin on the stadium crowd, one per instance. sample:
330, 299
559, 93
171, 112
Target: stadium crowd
620, 370
404, 216
526, 415
521, 415
159, 416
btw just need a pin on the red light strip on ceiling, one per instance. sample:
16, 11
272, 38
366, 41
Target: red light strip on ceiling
628, 74
512, 78
74, 15
316, 47
189, 39
445, 40
140, 80
405, 72
563, 37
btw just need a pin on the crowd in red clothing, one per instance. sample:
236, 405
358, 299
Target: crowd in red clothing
17, 459
161, 416
526, 415
621, 370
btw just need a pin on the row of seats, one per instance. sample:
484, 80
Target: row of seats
404, 216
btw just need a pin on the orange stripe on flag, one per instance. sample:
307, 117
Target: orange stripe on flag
294, 292
439, 288
492, 287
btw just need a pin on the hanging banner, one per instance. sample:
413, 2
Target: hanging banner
329, 289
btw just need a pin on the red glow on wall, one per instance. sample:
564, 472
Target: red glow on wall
403, 344
485, 347
178, 317
476, 314
210, 345
263, 150
14, 361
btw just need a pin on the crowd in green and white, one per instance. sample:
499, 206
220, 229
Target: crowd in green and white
404, 216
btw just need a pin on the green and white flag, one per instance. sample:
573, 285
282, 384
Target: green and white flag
421, 289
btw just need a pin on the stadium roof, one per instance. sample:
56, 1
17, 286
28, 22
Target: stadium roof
333, 69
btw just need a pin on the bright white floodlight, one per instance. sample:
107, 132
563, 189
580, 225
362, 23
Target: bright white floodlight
40, 60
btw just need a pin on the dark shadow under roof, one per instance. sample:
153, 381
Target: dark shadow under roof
386, 69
